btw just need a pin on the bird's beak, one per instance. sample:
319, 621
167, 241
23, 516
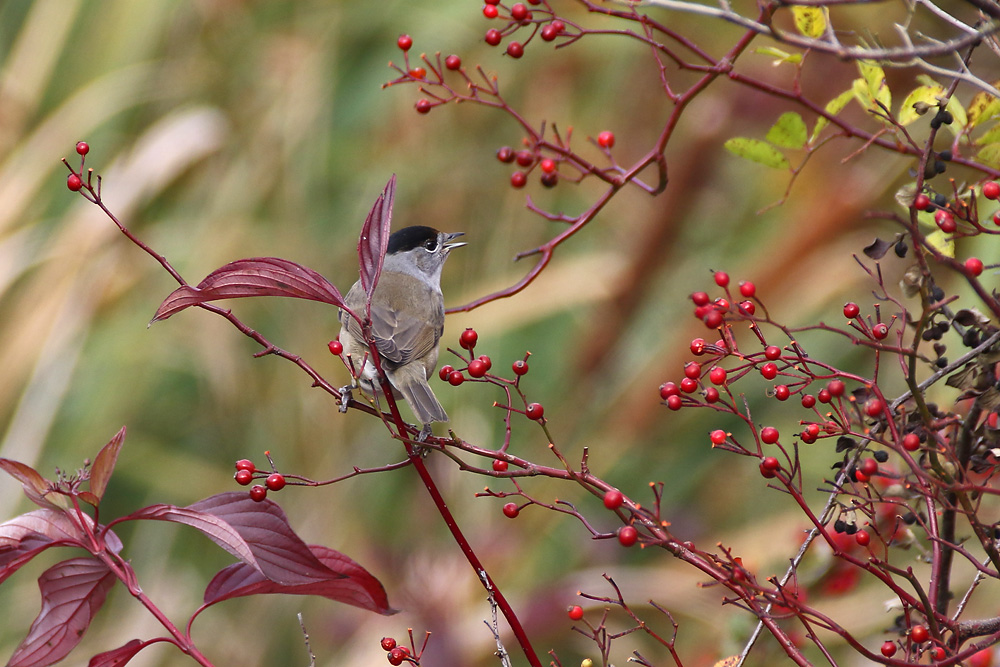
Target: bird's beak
448, 237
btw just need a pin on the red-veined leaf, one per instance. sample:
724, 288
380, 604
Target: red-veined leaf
117, 657
255, 532
375, 237
348, 582
257, 276
72, 592
104, 464
35, 486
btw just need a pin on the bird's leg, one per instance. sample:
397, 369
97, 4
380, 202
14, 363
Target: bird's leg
425, 433
345, 396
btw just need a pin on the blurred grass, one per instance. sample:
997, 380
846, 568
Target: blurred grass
227, 129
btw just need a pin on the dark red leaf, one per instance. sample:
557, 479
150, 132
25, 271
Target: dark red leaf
35, 486
72, 592
104, 464
375, 237
117, 657
257, 276
347, 582
255, 532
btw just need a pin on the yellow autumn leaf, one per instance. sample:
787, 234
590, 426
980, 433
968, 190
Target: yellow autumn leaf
810, 21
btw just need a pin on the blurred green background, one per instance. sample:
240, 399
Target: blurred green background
228, 129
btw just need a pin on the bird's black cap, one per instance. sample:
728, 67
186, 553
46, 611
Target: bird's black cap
409, 238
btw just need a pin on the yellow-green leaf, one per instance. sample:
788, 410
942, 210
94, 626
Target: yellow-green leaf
779, 55
872, 87
958, 113
989, 155
833, 107
789, 131
757, 151
926, 94
810, 21
943, 243
991, 135
983, 107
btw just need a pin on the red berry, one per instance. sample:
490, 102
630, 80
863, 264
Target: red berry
245, 464
869, 467
772, 352
560, 27
945, 220
747, 307
258, 493
807, 437
605, 139
991, 189
388, 643
547, 165
486, 360
981, 658
275, 481
519, 12
889, 649
812, 430
711, 395
396, 656
243, 477
445, 372
874, 407
851, 310
511, 510
919, 634
525, 158
713, 319
698, 346
996, 221
499, 465
493, 36
518, 179
974, 266
722, 304
668, 389
862, 538
404, 42
423, 105
490, 11
836, 387
689, 385
613, 499
515, 49
747, 289
921, 202
550, 180
505, 154
770, 463
692, 370
769, 370
82, 147
73, 182
418, 73
717, 375
520, 367
938, 653
766, 473
534, 411
721, 278
492, 2
453, 62
717, 436
477, 368
769, 435
808, 401
549, 33
336, 347
824, 396
782, 392
911, 442
628, 535
468, 339
675, 403
880, 330
700, 298
455, 378
575, 613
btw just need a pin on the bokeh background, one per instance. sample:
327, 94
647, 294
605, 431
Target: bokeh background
228, 129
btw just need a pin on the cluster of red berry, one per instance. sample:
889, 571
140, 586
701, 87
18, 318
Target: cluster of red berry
246, 472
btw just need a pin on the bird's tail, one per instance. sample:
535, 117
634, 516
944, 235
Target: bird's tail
418, 394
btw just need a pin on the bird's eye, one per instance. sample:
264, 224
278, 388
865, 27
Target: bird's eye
431, 244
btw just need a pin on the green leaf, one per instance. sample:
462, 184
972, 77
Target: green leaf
781, 56
756, 150
989, 155
872, 88
788, 132
991, 135
833, 107
943, 243
925, 94
810, 21
983, 107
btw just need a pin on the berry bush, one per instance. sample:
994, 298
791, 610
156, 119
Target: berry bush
756, 279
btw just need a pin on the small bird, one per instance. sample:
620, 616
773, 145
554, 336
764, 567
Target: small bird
407, 320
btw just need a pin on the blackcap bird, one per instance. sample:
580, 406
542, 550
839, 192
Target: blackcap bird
407, 319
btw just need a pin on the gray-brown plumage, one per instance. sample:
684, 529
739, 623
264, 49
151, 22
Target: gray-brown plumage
407, 319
